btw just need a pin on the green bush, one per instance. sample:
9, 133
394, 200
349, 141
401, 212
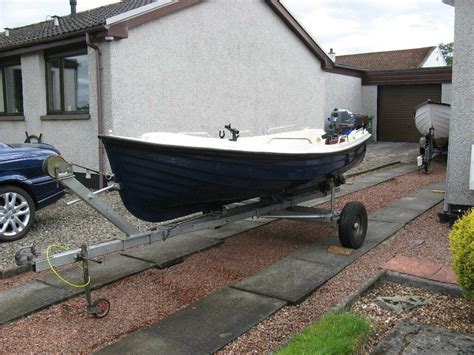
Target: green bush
461, 240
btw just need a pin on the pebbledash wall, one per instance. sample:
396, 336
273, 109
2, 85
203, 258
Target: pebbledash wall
76, 139
217, 63
461, 128
369, 100
342, 92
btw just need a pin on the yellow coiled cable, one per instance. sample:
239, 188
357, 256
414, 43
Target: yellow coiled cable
69, 283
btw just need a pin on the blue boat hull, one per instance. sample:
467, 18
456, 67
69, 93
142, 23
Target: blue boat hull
160, 182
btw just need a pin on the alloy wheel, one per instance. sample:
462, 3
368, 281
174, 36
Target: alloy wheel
15, 213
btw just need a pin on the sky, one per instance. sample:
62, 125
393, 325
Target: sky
355, 26
360, 26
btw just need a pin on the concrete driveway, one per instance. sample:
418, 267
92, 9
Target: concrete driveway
388, 152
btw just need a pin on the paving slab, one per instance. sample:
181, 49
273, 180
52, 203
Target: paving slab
403, 169
375, 179
411, 266
409, 337
289, 279
27, 298
111, 269
357, 186
394, 214
317, 252
428, 193
378, 231
416, 203
173, 250
440, 186
421, 268
445, 275
145, 341
210, 323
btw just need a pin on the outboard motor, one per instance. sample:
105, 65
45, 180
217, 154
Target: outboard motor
342, 122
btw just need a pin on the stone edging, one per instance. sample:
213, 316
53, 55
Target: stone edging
403, 279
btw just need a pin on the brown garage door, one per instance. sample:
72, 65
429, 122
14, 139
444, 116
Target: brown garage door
396, 107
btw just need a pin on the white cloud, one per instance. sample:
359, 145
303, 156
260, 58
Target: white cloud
374, 25
347, 26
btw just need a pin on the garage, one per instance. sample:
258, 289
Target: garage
396, 106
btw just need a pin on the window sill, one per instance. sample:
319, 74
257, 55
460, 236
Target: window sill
66, 117
12, 118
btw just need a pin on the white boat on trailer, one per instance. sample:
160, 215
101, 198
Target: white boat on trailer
436, 115
295, 167
432, 121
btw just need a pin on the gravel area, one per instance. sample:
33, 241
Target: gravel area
453, 313
144, 299
275, 331
69, 225
381, 195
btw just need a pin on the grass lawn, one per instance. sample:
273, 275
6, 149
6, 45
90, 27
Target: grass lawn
335, 333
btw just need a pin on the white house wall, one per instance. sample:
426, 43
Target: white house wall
214, 63
342, 91
76, 139
461, 128
435, 59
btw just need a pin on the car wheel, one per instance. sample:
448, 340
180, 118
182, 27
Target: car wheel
17, 213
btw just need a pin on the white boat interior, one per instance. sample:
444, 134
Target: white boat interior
305, 141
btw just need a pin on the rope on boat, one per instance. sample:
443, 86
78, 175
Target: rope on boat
108, 176
57, 274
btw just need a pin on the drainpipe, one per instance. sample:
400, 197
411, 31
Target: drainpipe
100, 118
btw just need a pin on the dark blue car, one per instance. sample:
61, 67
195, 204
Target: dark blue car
24, 188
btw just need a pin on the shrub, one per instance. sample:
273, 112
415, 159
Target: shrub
461, 240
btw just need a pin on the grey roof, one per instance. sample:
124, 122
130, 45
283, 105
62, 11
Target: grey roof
23, 36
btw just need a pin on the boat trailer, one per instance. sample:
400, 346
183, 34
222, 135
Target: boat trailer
428, 151
351, 221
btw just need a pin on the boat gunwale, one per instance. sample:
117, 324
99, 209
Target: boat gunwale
428, 102
180, 148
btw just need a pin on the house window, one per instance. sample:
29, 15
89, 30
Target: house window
11, 90
67, 84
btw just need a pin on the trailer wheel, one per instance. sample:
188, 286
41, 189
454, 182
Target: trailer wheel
353, 225
104, 306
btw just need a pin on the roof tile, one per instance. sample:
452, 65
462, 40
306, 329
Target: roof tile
389, 60
67, 24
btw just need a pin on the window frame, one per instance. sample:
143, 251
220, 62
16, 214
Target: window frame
60, 55
6, 64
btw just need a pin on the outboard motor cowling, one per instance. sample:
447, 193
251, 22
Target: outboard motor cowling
344, 121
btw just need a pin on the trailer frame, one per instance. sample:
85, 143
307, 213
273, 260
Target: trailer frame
284, 205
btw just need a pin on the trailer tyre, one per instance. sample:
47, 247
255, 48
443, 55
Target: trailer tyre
104, 306
353, 225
